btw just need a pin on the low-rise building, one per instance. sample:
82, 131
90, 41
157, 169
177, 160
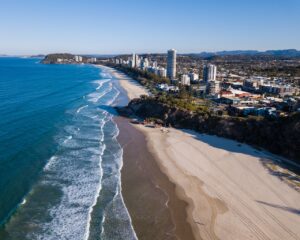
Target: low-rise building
162, 72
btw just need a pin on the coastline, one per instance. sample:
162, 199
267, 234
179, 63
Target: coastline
149, 195
228, 191
151, 199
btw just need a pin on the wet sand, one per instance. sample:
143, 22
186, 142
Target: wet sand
154, 207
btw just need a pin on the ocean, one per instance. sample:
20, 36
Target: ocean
60, 160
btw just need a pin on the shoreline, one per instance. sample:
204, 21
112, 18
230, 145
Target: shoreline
153, 199
229, 192
150, 197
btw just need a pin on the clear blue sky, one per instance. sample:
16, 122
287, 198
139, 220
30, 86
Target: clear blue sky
124, 26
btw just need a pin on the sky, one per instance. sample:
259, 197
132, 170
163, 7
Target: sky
147, 26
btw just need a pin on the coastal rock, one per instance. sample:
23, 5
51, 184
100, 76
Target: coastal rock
280, 136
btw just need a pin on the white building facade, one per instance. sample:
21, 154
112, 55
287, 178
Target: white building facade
209, 72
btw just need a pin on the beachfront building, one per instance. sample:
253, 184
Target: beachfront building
78, 58
209, 72
137, 61
144, 63
171, 64
134, 61
93, 60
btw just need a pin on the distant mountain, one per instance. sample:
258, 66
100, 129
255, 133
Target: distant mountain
287, 52
275, 53
38, 56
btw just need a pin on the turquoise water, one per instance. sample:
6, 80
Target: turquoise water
59, 158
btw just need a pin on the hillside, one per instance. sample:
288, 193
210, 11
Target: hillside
52, 58
280, 136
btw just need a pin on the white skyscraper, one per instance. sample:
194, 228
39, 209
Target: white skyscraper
134, 59
78, 58
137, 61
209, 73
171, 64
144, 63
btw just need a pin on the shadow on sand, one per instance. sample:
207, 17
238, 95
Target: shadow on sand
288, 209
265, 157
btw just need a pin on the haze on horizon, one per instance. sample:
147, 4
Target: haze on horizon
113, 27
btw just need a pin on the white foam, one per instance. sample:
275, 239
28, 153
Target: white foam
101, 82
23, 202
50, 163
79, 109
87, 231
77, 169
95, 96
68, 138
105, 74
114, 97
120, 185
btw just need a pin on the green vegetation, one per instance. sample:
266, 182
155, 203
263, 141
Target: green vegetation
254, 130
183, 102
183, 99
147, 79
52, 58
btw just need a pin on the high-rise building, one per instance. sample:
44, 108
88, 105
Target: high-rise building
78, 58
171, 64
144, 63
185, 80
213, 87
137, 61
209, 72
133, 60
194, 77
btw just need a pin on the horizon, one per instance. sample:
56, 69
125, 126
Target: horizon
120, 27
144, 53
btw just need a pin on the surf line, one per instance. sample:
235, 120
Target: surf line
79, 109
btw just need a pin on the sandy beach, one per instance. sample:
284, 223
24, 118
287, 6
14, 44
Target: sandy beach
230, 194
132, 88
228, 191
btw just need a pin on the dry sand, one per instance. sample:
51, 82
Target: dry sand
229, 192
132, 87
